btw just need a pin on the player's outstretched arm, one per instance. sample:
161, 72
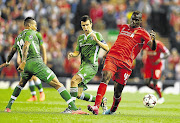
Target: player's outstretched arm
24, 57
102, 45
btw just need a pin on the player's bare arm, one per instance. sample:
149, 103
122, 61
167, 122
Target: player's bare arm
73, 54
24, 57
102, 45
43, 49
152, 43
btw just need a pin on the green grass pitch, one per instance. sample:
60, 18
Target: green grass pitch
131, 109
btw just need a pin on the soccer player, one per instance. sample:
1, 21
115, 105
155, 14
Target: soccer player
34, 81
27, 44
88, 45
153, 66
120, 58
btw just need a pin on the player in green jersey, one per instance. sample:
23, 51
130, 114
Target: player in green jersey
27, 45
88, 45
34, 81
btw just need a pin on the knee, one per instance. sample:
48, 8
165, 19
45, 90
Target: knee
79, 94
22, 84
106, 77
75, 81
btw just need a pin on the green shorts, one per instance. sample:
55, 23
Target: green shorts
86, 72
37, 67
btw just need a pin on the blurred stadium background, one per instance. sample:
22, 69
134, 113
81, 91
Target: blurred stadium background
58, 22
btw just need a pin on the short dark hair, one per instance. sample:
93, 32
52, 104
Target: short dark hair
137, 15
28, 20
85, 18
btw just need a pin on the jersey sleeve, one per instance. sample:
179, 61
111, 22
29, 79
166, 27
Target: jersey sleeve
39, 36
146, 36
100, 38
78, 47
15, 43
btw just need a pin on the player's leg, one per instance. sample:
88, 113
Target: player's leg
15, 94
118, 88
40, 88
148, 83
158, 91
101, 92
32, 89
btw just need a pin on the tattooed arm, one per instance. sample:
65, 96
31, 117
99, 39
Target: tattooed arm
24, 56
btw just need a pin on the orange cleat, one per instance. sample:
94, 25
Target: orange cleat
7, 110
42, 96
80, 112
32, 99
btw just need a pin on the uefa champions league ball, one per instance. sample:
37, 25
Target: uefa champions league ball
149, 100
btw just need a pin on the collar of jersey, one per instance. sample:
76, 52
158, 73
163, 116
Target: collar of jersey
85, 37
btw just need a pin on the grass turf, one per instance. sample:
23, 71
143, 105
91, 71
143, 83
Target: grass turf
131, 109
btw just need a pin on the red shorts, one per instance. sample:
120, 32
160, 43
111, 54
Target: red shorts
119, 72
152, 71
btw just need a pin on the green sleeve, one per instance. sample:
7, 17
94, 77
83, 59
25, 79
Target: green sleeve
78, 47
39, 36
15, 43
99, 37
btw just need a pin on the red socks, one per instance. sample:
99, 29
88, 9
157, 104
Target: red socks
115, 104
158, 90
100, 93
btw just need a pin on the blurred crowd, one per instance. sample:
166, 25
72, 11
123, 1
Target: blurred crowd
59, 24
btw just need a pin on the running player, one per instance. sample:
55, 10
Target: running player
120, 58
34, 81
88, 45
28, 47
153, 66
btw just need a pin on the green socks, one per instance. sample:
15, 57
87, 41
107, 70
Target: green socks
14, 96
67, 97
74, 92
87, 97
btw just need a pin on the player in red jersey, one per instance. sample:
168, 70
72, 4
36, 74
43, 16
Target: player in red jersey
119, 60
153, 66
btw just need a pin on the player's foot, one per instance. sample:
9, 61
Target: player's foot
104, 104
33, 98
93, 109
108, 112
69, 111
7, 110
42, 96
79, 112
160, 100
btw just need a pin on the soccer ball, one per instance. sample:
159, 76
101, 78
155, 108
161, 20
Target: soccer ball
149, 100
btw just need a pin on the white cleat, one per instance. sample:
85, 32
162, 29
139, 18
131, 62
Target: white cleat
161, 100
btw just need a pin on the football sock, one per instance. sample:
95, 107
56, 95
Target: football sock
115, 104
14, 96
158, 91
67, 97
39, 85
87, 97
151, 86
32, 88
74, 93
100, 93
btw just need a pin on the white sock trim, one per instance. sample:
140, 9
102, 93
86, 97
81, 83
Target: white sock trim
19, 87
41, 90
73, 90
33, 93
90, 98
61, 89
103, 83
38, 81
73, 98
31, 83
13, 97
82, 96
81, 77
70, 100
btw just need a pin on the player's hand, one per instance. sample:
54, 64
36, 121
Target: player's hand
94, 36
104, 57
157, 61
70, 55
152, 34
21, 66
5, 64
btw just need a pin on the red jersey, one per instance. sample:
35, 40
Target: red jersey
128, 44
153, 56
